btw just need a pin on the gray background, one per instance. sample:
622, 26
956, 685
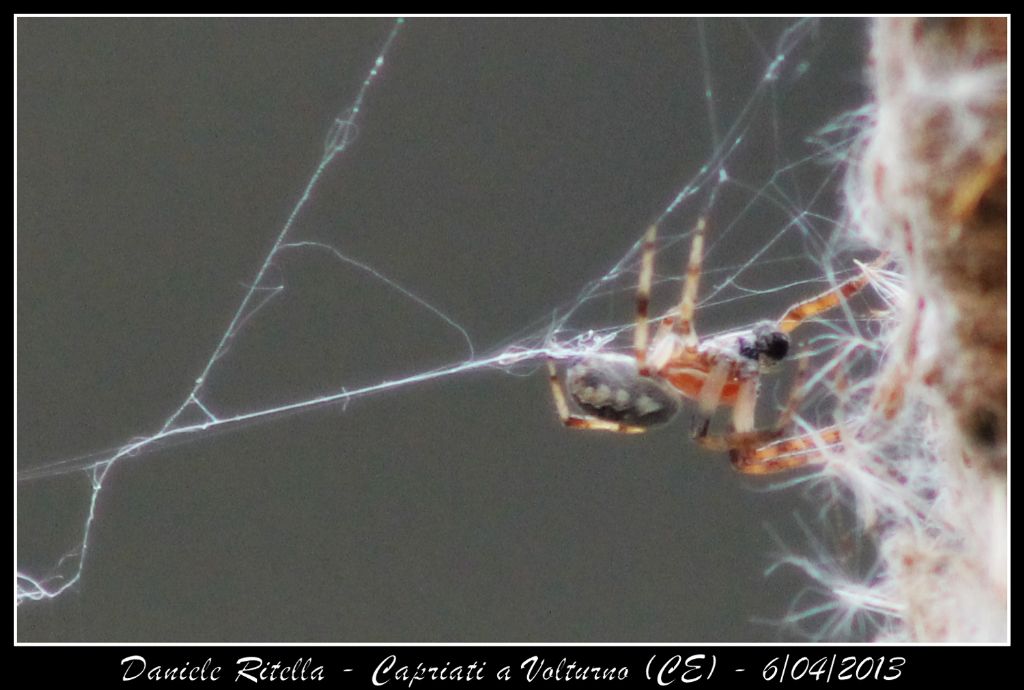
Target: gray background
500, 166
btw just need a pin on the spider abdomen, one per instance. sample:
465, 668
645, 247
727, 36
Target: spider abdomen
609, 386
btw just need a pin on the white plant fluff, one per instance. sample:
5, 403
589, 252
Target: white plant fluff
924, 452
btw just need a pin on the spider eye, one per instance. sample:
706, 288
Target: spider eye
774, 345
768, 344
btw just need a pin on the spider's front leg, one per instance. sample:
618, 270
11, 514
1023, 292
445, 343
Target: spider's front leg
831, 298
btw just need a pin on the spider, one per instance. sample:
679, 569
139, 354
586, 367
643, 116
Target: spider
631, 393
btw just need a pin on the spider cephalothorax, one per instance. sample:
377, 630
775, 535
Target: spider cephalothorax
631, 393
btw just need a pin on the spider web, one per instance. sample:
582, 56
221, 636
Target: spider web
462, 191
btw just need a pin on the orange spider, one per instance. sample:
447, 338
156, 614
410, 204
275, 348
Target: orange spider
631, 393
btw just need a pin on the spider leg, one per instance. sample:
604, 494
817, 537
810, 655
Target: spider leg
583, 422
742, 435
789, 453
749, 448
800, 312
710, 397
745, 406
683, 326
711, 390
643, 301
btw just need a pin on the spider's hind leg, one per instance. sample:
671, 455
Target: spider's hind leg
643, 300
